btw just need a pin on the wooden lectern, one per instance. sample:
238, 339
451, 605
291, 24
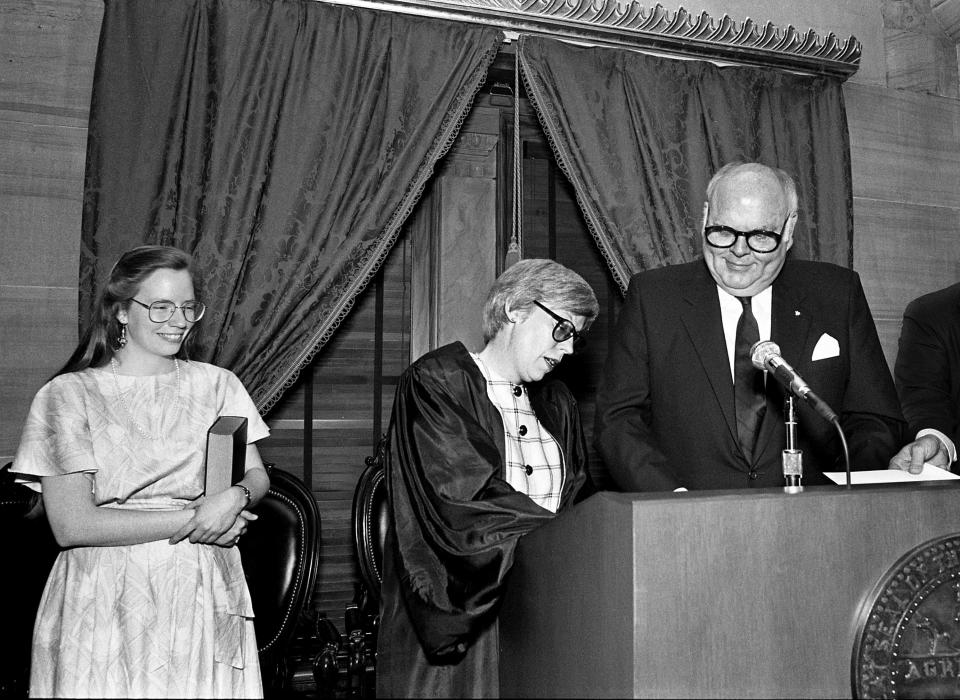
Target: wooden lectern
714, 594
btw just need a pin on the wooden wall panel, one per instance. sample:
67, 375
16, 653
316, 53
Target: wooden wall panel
904, 146
468, 247
47, 51
905, 159
37, 334
338, 461
41, 176
454, 238
921, 62
902, 251
41, 188
47, 55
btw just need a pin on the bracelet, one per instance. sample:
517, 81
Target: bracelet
246, 492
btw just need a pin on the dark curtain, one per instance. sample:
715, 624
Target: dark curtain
639, 137
282, 143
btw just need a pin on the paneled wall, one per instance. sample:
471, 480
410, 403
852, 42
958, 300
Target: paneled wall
47, 51
905, 149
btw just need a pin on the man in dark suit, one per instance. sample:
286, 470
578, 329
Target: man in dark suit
670, 414
927, 374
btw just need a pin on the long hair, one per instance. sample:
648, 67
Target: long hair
99, 342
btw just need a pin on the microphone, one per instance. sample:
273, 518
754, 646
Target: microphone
765, 355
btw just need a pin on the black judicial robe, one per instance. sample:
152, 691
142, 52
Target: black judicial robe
455, 524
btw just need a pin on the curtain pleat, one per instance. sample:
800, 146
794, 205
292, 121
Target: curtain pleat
282, 143
639, 137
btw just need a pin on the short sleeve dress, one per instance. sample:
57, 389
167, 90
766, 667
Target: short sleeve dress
152, 619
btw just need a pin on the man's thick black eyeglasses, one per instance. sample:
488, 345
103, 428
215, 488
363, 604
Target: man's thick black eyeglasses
564, 328
163, 310
759, 241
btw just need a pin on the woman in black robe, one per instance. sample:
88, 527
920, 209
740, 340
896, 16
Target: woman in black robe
481, 451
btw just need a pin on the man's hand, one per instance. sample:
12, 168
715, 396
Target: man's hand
924, 449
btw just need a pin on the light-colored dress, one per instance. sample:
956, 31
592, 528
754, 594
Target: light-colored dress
153, 619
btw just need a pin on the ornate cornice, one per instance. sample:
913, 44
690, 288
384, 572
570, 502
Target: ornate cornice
626, 24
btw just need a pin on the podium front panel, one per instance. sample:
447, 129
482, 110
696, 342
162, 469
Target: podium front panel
712, 594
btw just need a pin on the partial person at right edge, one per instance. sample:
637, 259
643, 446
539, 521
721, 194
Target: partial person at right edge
927, 376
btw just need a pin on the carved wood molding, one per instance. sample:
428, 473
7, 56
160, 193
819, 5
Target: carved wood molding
626, 24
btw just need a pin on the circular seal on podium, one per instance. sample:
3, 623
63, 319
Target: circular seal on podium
908, 628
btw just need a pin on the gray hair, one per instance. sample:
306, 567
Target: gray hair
787, 182
537, 279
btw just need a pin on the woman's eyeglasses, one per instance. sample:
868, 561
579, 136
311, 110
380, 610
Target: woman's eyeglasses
163, 310
564, 328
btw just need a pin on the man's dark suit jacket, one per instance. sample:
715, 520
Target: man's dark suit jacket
665, 410
927, 370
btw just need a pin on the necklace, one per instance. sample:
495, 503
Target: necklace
123, 400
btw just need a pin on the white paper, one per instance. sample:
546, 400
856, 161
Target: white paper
890, 476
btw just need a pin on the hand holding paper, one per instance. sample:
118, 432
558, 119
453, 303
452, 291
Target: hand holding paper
927, 449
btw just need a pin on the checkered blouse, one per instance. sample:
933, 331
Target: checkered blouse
534, 461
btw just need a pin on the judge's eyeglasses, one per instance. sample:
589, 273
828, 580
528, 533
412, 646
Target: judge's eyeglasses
564, 328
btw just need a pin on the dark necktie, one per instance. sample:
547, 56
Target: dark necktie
747, 381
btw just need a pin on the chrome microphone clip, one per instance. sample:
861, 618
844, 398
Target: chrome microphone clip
792, 456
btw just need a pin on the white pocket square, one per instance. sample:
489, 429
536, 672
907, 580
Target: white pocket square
826, 347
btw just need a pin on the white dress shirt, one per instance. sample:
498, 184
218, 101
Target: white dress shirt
730, 311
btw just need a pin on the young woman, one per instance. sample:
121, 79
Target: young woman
481, 451
148, 597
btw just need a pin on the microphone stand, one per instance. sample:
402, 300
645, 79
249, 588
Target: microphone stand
792, 457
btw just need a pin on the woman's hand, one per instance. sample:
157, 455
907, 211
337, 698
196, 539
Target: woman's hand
232, 536
217, 519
